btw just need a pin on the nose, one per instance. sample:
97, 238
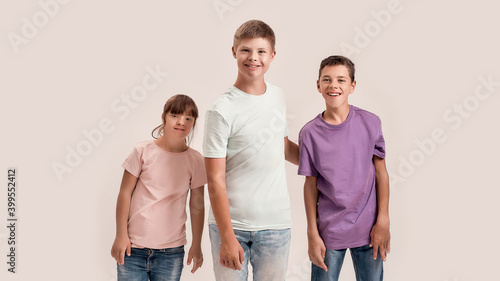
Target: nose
252, 56
180, 121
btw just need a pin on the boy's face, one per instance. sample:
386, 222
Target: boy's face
253, 56
335, 85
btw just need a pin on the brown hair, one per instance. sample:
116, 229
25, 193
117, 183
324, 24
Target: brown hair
338, 60
178, 104
254, 29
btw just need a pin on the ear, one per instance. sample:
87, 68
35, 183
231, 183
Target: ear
273, 54
353, 85
234, 52
317, 85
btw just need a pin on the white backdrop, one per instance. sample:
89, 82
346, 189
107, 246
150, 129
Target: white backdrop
83, 81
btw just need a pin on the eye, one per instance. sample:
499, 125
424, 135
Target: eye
326, 80
341, 80
262, 52
174, 115
245, 50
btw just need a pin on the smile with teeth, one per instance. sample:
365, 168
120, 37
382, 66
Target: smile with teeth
252, 66
334, 94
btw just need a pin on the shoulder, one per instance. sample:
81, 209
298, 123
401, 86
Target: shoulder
226, 104
195, 154
276, 91
366, 115
144, 145
309, 127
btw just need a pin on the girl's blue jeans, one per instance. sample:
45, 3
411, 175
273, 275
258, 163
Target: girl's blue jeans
152, 264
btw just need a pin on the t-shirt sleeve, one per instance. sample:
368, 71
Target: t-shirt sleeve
133, 163
216, 135
379, 149
306, 164
199, 177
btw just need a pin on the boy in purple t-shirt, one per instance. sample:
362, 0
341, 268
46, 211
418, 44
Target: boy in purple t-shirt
346, 191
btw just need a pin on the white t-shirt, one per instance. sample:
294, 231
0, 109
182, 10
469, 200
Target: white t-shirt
158, 207
249, 132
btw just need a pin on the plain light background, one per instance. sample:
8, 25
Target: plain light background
419, 65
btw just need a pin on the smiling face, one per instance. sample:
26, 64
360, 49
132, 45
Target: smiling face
335, 86
253, 56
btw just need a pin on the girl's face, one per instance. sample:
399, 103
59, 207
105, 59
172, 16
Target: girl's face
178, 126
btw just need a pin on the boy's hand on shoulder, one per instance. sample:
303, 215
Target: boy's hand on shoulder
120, 247
195, 254
317, 251
231, 254
381, 238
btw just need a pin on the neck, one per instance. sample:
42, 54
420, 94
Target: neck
170, 145
336, 116
254, 87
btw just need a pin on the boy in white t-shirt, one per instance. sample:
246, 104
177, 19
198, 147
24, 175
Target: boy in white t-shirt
245, 147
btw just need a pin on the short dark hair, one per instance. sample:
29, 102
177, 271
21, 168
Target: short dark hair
338, 60
254, 29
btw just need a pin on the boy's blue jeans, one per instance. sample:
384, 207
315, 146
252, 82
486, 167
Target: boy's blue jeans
266, 250
365, 267
152, 264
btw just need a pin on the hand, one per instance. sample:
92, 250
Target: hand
195, 255
120, 246
317, 251
381, 239
231, 254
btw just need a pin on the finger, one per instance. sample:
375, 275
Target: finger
189, 259
323, 265
389, 246
375, 251
129, 249
382, 252
242, 256
121, 258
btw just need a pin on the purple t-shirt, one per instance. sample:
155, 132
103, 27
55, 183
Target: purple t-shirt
341, 156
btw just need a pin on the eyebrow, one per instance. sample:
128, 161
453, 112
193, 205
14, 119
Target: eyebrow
328, 76
245, 47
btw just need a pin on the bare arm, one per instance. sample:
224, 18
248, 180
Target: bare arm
291, 151
317, 249
122, 241
197, 210
231, 253
380, 234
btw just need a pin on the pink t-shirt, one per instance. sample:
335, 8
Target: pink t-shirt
158, 206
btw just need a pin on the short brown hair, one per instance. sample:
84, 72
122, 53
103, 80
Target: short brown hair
254, 29
178, 104
338, 60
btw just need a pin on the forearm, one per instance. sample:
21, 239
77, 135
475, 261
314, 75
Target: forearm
122, 213
197, 210
220, 209
216, 175
311, 202
382, 188
291, 151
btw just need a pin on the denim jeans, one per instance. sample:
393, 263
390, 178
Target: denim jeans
365, 267
266, 250
152, 264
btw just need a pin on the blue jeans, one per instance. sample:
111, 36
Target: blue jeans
152, 264
266, 250
365, 267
